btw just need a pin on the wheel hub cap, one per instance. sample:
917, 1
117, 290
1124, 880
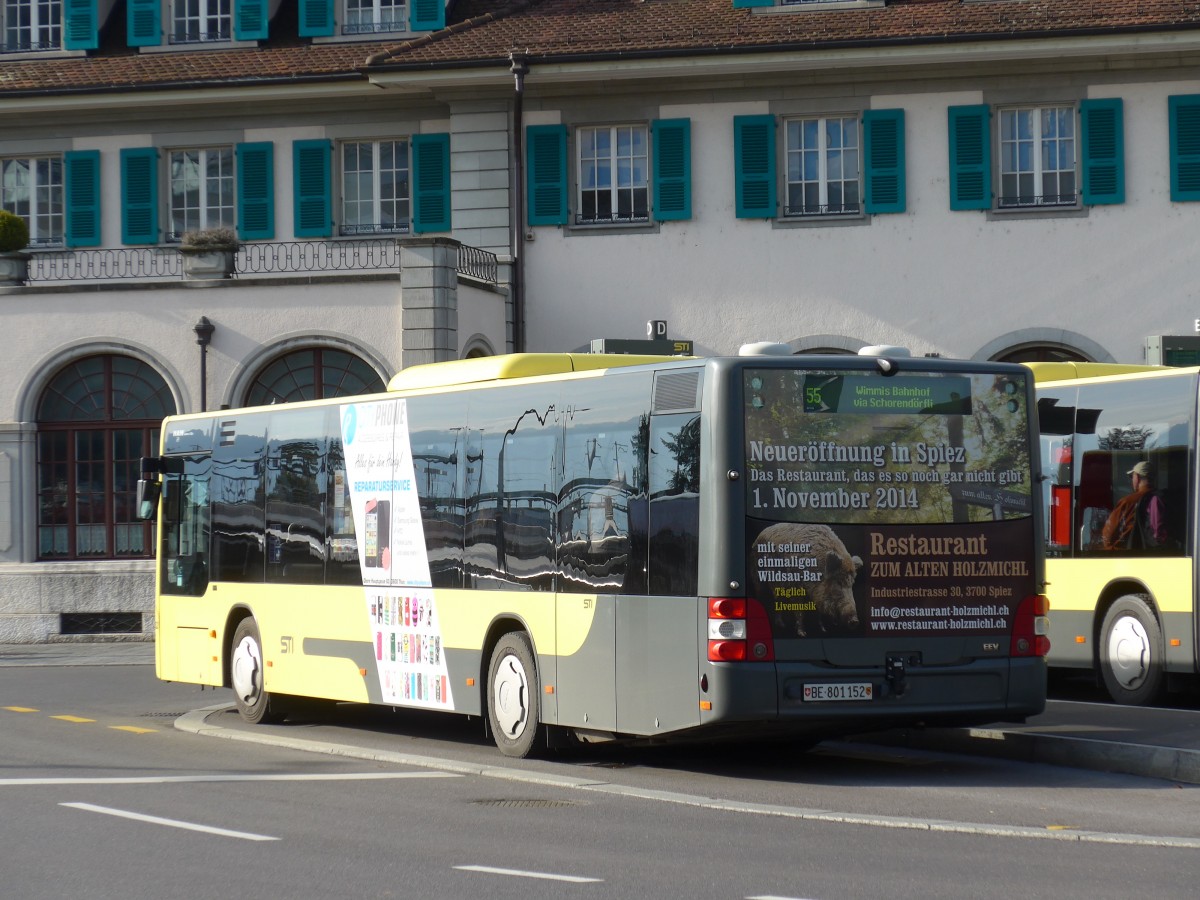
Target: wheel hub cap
511, 693
246, 671
1129, 652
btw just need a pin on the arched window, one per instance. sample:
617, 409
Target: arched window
312, 375
1041, 354
96, 418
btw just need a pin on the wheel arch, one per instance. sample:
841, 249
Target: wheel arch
500, 626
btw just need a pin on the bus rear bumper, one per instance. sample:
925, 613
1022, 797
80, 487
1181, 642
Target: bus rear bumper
981, 691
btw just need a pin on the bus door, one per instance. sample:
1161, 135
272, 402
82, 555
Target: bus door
183, 574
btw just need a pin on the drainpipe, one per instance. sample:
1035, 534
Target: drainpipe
204, 331
519, 68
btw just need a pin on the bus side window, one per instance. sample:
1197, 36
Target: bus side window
674, 504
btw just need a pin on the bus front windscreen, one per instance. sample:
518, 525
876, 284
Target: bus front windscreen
883, 506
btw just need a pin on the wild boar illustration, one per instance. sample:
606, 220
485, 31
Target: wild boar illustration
830, 590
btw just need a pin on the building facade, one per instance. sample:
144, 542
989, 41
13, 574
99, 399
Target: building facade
398, 181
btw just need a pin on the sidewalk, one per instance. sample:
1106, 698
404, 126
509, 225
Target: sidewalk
77, 653
1153, 743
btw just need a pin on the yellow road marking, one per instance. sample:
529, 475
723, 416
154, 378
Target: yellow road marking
133, 729
21, 709
72, 719
1060, 827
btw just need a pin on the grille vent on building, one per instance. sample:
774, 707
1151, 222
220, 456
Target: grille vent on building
100, 623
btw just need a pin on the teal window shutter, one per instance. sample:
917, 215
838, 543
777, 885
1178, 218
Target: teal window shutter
311, 188
546, 173
139, 196
431, 183
250, 20
746, 4
81, 169
316, 18
427, 15
754, 166
1103, 151
672, 168
883, 147
970, 157
256, 191
1184, 115
80, 28
143, 23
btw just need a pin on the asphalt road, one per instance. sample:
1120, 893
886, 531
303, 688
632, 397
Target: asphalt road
102, 796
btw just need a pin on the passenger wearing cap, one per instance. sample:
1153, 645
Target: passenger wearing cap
1139, 521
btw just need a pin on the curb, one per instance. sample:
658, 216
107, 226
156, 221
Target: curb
1168, 763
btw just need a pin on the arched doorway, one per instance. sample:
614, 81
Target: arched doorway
96, 418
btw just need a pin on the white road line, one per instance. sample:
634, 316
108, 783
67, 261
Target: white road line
201, 779
172, 823
772, 897
521, 873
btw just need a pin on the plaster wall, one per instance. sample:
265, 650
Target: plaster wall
932, 279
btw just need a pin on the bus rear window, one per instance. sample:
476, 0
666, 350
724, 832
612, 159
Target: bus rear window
844, 447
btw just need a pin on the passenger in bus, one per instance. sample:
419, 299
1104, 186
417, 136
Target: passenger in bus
1139, 520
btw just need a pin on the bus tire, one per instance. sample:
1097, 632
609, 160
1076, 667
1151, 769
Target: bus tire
514, 696
1131, 652
254, 704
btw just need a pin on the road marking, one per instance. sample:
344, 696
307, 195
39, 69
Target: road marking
772, 897
172, 823
76, 719
21, 709
133, 729
521, 873
206, 779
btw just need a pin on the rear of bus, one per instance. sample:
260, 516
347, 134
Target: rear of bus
870, 549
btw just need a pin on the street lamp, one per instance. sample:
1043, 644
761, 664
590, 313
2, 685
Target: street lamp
204, 331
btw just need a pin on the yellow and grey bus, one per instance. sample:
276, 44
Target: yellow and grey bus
601, 547
1118, 450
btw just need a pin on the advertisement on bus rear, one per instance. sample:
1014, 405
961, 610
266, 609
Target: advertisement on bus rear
887, 505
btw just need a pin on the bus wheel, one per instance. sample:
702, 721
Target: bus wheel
1131, 652
254, 704
513, 696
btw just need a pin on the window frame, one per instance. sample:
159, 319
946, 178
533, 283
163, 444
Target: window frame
823, 152
53, 8
205, 210
376, 201
1040, 170
400, 9
613, 170
208, 10
56, 198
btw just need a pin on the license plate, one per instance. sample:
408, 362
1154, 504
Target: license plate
854, 690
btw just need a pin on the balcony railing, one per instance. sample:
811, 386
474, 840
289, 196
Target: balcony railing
257, 259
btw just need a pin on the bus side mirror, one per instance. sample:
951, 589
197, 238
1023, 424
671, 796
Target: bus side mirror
148, 493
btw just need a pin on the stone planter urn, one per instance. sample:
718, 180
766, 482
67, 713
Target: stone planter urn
210, 254
14, 268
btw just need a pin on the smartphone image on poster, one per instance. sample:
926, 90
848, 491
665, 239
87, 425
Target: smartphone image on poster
378, 527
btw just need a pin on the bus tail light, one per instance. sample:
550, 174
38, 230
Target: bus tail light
738, 631
1030, 626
